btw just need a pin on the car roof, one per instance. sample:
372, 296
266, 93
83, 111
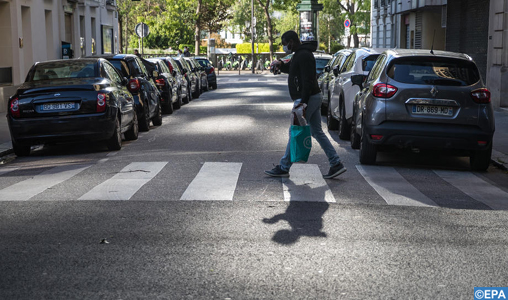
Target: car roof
113, 56
426, 52
322, 55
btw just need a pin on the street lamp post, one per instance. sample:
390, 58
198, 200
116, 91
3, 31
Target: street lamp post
309, 21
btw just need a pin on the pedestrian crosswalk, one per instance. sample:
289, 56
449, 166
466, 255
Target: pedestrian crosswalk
219, 181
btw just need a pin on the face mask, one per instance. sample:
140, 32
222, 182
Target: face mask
286, 49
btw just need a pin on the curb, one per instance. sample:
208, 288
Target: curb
6, 152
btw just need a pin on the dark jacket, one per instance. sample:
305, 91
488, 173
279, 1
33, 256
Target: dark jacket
302, 80
186, 53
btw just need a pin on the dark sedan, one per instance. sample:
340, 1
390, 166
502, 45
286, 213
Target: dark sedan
210, 71
72, 100
168, 86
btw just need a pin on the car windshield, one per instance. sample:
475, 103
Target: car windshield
369, 61
203, 62
434, 70
121, 66
321, 62
64, 69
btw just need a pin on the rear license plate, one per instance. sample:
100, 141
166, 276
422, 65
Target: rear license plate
58, 106
432, 110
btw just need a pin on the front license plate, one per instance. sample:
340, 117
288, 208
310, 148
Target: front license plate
432, 110
58, 106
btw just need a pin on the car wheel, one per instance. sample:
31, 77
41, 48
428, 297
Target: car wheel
132, 133
144, 121
20, 149
157, 119
331, 123
214, 86
206, 86
480, 160
195, 95
343, 126
368, 151
168, 108
178, 103
188, 96
355, 137
115, 141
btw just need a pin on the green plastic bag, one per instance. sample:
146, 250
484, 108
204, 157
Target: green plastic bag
301, 143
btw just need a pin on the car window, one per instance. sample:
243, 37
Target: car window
112, 73
368, 62
321, 62
64, 69
164, 68
141, 66
434, 70
377, 68
348, 63
121, 66
337, 60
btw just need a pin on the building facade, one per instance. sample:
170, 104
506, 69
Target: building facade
40, 30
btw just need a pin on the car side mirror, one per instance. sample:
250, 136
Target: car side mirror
173, 73
327, 69
125, 81
155, 74
336, 71
358, 80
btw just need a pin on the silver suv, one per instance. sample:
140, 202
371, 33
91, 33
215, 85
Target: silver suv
342, 90
420, 99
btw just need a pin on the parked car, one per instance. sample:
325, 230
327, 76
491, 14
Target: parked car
200, 72
142, 86
210, 71
180, 80
322, 60
71, 100
167, 85
191, 77
422, 99
328, 75
342, 90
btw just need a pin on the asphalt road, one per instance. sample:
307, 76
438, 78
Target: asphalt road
173, 222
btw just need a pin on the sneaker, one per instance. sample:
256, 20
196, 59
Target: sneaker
277, 172
335, 171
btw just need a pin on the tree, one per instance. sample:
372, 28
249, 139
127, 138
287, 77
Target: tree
358, 11
266, 9
330, 23
210, 14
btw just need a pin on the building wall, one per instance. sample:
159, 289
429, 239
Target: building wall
497, 60
467, 29
33, 30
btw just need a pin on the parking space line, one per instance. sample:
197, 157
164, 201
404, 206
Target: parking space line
476, 188
306, 183
126, 183
394, 188
27, 189
215, 181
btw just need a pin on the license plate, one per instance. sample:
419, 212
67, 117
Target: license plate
432, 110
58, 106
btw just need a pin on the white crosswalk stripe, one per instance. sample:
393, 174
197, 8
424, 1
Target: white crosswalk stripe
126, 183
28, 188
215, 181
218, 181
476, 188
306, 183
394, 189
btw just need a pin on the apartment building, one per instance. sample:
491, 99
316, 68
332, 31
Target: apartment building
39, 30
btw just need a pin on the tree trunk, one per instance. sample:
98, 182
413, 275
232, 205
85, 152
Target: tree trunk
197, 31
269, 25
356, 40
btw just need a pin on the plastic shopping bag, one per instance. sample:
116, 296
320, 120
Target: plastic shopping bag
301, 143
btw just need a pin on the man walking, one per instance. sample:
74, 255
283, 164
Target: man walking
303, 88
186, 51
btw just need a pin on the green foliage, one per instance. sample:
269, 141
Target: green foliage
336, 47
202, 49
258, 48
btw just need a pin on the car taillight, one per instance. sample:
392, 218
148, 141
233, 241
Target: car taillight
133, 85
14, 108
481, 96
101, 102
160, 82
211, 70
383, 90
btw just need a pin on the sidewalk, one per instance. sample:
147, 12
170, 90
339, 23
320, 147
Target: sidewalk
499, 152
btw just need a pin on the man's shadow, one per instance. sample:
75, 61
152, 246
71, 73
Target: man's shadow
305, 218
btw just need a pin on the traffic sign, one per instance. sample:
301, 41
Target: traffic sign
142, 30
347, 23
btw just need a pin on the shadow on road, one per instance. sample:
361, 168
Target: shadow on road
305, 219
